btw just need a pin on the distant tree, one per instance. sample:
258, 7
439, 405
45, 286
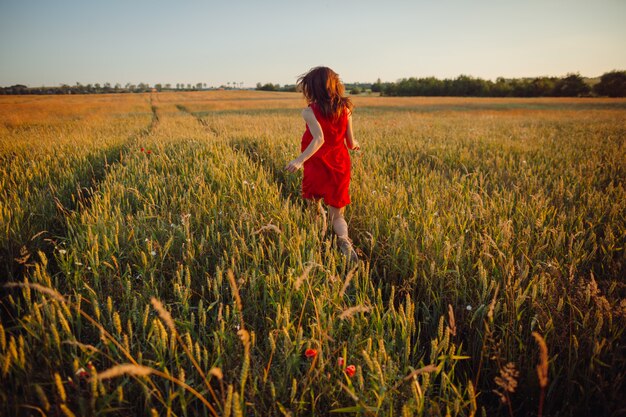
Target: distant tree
572, 85
267, 87
356, 90
431, 86
168, 86
188, 86
612, 84
389, 89
158, 87
18, 89
465, 85
500, 88
541, 87
377, 87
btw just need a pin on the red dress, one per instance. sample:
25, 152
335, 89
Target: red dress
327, 172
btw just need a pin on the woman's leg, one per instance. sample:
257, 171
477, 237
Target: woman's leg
340, 226
338, 221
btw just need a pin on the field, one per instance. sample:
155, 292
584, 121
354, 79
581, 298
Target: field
159, 260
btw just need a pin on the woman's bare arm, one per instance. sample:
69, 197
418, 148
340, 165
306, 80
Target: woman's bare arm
316, 143
351, 142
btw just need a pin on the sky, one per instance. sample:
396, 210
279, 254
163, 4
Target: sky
50, 42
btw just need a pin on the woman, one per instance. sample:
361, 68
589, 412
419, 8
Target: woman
324, 147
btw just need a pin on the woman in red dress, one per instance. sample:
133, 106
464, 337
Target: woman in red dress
324, 148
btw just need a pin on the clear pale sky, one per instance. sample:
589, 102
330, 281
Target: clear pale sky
216, 42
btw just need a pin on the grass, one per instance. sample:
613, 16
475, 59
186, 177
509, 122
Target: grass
160, 259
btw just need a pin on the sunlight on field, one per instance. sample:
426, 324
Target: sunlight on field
27, 110
160, 258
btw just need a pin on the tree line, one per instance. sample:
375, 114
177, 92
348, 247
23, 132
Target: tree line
611, 84
275, 87
106, 88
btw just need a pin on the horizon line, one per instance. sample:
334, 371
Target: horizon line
228, 83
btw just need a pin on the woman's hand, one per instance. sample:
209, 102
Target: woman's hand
294, 165
356, 146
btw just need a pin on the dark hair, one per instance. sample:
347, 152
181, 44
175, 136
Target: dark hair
322, 86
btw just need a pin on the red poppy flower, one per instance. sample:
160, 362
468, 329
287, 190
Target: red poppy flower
148, 151
141, 149
310, 353
340, 361
350, 370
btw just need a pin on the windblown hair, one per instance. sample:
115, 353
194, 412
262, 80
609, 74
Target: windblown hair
322, 86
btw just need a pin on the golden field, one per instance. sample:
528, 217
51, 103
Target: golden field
158, 259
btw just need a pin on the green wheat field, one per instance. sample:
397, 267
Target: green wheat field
156, 259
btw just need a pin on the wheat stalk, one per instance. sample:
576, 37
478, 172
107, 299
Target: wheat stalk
269, 226
125, 369
542, 369
349, 312
303, 276
49, 291
164, 314
346, 282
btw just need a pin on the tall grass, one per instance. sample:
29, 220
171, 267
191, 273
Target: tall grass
191, 278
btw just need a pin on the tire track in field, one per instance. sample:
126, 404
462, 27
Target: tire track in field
113, 156
251, 150
75, 196
207, 126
